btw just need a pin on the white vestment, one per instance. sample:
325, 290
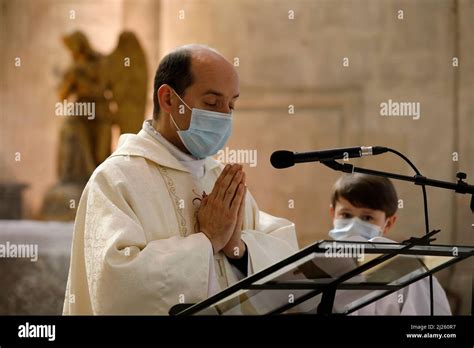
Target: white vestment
135, 247
413, 299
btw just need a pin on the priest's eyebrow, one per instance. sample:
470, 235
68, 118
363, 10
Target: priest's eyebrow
211, 91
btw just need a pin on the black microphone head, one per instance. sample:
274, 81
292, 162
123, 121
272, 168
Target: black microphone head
282, 159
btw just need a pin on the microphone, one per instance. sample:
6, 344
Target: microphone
284, 159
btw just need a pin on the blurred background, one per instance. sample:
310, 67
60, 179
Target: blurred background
313, 75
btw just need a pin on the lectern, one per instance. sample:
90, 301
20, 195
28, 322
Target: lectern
331, 278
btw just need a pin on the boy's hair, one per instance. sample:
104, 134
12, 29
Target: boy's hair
366, 191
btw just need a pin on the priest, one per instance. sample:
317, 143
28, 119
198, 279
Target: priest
161, 222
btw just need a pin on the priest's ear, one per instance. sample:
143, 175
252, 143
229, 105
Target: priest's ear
165, 97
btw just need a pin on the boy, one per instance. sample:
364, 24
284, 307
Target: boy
363, 207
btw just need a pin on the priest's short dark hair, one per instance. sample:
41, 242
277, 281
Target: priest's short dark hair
175, 71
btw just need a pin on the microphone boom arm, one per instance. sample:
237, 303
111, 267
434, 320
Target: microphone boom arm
459, 187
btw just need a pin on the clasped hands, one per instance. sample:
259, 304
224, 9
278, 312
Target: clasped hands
220, 216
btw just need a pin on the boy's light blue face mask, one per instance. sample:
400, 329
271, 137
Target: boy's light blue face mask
207, 133
344, 228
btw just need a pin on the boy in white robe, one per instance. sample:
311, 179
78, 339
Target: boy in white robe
363, 207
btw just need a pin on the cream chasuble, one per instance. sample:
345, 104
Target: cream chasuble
135, 249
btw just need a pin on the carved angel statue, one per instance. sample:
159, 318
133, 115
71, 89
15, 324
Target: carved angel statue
96, 92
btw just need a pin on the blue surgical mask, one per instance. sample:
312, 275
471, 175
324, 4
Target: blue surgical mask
207, 133
344, 228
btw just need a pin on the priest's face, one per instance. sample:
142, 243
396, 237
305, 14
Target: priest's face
215, 88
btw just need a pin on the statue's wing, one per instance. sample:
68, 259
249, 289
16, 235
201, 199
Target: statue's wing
127, 83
